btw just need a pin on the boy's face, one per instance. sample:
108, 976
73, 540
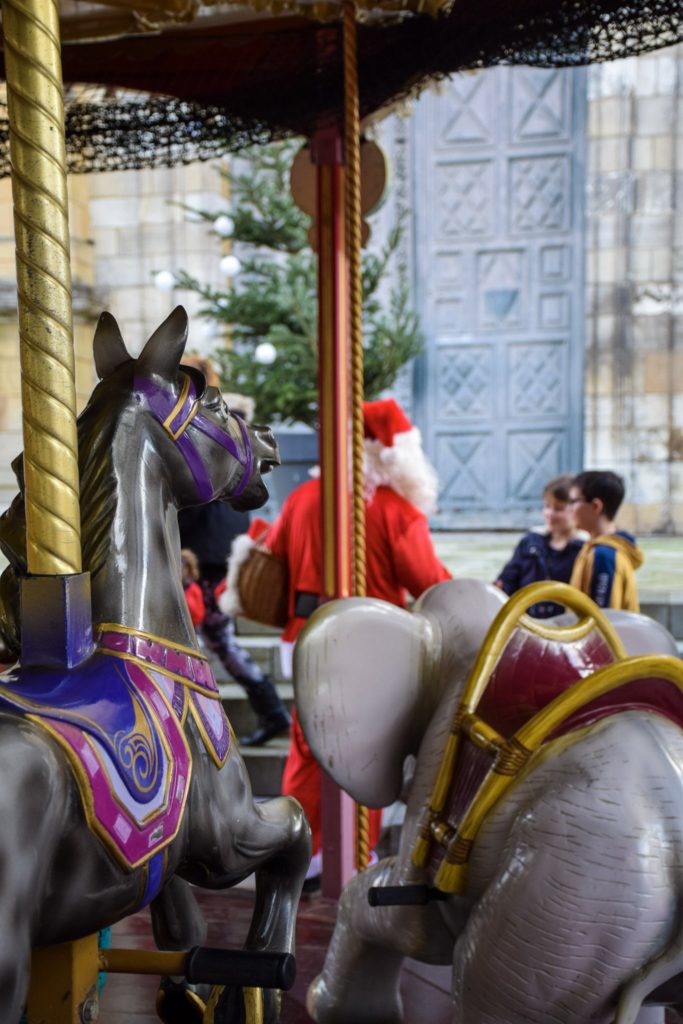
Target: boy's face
557, 514
585, 514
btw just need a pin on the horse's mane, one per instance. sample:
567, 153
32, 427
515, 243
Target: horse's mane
97, 425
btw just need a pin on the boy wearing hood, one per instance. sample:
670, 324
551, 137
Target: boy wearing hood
605, 568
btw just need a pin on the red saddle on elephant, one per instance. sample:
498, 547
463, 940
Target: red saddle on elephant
531, 682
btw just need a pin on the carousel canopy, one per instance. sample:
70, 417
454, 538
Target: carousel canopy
153, 82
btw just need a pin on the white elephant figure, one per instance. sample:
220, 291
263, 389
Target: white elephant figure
573, 907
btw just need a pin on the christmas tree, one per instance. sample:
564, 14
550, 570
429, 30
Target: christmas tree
269, 314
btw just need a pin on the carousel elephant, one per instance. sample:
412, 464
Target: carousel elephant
571, 910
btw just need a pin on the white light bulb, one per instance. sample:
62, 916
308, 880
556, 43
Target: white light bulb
230, 265
164, 280
265, 353
224, 225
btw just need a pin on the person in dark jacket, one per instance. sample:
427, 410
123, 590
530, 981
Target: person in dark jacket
545, 556
209, 531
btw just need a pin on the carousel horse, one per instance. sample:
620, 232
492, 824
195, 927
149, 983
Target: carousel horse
121, 778
548, 876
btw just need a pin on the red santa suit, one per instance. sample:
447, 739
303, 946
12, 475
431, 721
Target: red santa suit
400, 560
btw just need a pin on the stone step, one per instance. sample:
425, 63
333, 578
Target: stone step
265, 651
248, 627
265, 766
239, 710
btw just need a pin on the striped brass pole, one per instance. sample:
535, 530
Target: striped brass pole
36, 113
353, 234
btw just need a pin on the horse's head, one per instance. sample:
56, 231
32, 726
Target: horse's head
211, 453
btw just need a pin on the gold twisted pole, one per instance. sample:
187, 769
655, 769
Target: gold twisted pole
36, 114
353, 234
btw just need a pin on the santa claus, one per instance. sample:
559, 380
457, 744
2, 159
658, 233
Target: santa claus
401, 491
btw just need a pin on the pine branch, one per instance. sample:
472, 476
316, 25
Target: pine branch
274, 298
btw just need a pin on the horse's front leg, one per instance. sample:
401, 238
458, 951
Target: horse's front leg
231, 837
281, 825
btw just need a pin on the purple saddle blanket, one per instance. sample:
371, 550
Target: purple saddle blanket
121, 724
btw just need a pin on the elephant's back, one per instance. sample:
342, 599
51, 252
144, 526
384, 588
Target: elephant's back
612, 789
575, 877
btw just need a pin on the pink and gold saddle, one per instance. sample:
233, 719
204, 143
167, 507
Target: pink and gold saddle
120, 718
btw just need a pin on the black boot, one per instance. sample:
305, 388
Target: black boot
272, 714
267, 730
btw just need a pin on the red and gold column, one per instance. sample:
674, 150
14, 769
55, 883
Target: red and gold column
333, 364
333, 289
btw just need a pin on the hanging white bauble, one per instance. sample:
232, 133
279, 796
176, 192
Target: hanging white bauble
230, 265
164, 280
265, 353
224, 225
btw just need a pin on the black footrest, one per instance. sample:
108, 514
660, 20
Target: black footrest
403, 895
241, 968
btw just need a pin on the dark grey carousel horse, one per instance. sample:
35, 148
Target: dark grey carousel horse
152, 439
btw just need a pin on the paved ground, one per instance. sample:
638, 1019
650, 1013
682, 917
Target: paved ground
482, 555
129, 999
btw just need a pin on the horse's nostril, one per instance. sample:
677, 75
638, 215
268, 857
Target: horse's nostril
265, 448
267, 439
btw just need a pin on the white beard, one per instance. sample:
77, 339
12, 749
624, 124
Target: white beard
403, 467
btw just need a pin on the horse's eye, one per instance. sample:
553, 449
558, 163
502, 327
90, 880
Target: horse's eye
213, 400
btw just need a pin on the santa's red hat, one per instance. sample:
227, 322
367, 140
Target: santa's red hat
384, 419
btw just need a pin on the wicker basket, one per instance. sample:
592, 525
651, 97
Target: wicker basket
264, 588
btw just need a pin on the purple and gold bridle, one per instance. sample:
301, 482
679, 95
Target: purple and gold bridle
176, 414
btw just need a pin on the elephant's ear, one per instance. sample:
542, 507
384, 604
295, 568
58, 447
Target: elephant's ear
162, 354
361, 671
108, 346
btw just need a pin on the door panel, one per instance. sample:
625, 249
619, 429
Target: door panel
498, 201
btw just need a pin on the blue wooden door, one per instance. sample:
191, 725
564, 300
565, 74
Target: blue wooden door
498, 200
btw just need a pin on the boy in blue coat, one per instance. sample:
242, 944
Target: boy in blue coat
545, 556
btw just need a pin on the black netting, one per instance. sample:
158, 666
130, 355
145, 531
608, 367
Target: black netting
225, 86
154, 132
119, 134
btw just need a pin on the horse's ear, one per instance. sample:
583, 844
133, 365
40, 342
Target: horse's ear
164, 350
18, 470
108, 346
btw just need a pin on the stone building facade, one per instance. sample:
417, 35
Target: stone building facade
633, 401
596, 307
617, 302
125, 227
